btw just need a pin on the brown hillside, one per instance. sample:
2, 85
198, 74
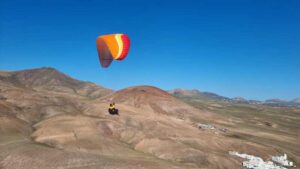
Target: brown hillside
48, 120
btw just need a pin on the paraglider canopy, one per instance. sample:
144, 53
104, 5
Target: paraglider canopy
112, 47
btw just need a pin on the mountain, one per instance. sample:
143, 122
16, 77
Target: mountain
51, 120
239, 100
297, 100
52, 80
196, 94
279, 102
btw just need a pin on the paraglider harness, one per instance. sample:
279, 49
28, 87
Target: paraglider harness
112, 110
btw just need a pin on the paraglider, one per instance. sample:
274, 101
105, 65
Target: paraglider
112, 47
112, 109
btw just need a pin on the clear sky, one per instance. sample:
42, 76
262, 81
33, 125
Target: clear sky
248, 48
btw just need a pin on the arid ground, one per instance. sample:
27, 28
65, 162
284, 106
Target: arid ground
50, 120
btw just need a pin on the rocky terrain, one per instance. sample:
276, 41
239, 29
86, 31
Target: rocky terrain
50, 120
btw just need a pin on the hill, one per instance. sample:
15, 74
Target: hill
48, 120
52, 80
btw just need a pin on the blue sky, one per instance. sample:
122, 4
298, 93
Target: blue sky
248, 48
